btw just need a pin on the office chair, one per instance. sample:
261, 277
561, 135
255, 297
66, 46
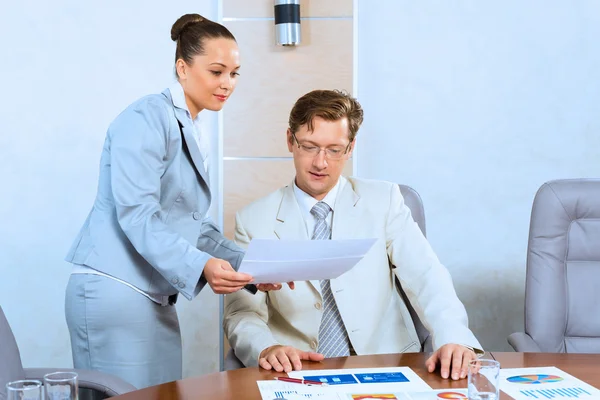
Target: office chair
563, 270
11, 369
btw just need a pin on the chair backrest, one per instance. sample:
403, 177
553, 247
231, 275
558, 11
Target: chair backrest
415, 204
11, 368
562, 300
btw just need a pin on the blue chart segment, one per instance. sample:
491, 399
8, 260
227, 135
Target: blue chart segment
562, 393
344, 379
382, 377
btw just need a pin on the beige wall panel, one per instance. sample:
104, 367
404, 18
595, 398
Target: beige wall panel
274, 77
247, 180
308, 8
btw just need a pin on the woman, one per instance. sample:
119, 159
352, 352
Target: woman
148, 238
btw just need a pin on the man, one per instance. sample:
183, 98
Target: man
361, 311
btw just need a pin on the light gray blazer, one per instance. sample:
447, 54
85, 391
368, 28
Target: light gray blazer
148, 225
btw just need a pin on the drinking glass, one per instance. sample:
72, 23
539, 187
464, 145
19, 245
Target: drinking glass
484, 380
61, 386
24, 390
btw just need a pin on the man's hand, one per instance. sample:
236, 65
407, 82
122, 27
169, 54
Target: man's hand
222, 278
285, 358
451, 355
265, 287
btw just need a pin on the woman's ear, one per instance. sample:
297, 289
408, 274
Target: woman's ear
181, 68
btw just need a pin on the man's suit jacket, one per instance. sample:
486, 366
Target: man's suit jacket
148, 225
376, 318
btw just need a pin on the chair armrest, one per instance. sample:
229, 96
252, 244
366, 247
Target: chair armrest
109, 385
522, 342
232, 362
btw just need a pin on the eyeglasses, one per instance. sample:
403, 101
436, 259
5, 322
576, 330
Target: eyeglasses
331, 153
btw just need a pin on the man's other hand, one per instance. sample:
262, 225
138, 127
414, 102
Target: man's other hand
286, 358
453, 359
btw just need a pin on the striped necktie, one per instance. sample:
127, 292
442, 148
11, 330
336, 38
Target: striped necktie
333, 338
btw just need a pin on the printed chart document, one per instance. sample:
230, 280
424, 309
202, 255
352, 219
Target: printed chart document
274, 261
328, 394
400, 383
456, 394
279, 390
544, 383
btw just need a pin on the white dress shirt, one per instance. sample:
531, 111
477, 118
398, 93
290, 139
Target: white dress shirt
306, 202
203, 141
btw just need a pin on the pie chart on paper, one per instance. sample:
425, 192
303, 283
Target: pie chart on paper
534, 379
451, 395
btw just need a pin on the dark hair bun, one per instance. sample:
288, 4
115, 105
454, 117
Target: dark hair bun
183, 22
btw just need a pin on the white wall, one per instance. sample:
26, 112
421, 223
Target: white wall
475, 105
67, 68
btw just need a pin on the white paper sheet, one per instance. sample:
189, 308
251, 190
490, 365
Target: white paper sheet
270, 390
274, 390
543, 383
347, 384
367, 380
274, 261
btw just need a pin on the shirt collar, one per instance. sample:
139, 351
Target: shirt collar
178, 96
307, 202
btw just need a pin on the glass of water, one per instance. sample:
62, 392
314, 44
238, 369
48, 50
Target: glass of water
61, 386
24, 390
484, 380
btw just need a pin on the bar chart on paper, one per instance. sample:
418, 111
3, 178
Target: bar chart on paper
544, 383
572, 393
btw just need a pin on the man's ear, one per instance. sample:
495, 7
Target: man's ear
349, 154
290, 140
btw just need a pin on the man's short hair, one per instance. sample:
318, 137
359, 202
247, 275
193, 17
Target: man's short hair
331, 105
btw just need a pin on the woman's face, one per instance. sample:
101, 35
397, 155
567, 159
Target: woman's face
211, 77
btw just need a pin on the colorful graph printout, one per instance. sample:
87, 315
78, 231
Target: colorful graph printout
544, 383
342, 384
453, 394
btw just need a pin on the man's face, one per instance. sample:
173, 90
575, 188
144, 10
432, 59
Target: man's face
320, 155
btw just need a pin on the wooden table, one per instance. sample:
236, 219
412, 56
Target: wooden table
241, 384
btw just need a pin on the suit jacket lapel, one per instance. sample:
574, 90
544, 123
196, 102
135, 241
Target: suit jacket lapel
187, 133
345, 225
290, 223
345, 215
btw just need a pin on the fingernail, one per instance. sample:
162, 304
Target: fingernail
455, 376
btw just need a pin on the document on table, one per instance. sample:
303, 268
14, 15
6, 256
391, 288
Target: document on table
327, 393
274, 261
544, 383
350, 384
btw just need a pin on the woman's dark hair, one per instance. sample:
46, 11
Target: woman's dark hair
190, 32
